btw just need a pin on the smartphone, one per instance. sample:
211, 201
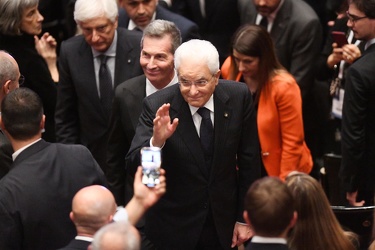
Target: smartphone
339, 38
151, 162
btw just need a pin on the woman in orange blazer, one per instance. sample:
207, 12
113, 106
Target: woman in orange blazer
277, 98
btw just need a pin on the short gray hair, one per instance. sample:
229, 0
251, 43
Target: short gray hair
160, 28
123, 234
8, 71
11, 15
200, 50
89, 9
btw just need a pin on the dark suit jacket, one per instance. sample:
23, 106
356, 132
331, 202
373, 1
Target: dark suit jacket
297, 35
80, 117
358, 125
6, 152
221, 21
127, 107
192, 191
37, 75
77, 245
266, 246
188, 29
36, 195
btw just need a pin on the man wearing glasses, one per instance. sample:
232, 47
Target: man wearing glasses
91, 66
207, 131
358, 119
10, 79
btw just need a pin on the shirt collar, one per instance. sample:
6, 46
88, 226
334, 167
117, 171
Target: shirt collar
85, 238
274, 240
209, 105
150, 89
369, 43
132, 24
19, 151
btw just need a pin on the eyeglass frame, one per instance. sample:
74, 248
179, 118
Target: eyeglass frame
197, 83
353, 18
21, 80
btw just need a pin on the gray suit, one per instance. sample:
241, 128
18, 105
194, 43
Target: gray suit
80, 118
194, 192
297, 35
127, 107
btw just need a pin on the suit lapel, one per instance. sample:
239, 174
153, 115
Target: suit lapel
281, 21
125, 58
134, 98
221, 120
187, 132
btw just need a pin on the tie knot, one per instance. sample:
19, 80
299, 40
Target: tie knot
103, 58
204, 113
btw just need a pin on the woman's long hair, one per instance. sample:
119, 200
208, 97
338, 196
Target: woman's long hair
317, 227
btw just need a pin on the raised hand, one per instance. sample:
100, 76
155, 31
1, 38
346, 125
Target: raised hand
163, 127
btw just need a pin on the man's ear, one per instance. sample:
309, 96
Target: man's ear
293, 220
6, 87
71, 216
42, 122
1, 124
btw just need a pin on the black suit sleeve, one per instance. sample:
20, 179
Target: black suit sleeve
248, 155
66, 116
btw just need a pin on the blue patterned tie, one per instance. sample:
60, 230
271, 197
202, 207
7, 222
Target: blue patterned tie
206, 135
105, 85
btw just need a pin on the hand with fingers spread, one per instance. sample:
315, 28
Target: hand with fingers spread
163, 127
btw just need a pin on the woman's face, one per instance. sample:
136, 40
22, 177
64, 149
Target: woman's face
31, 21
247, 65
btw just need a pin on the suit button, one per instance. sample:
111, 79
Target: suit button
205, 205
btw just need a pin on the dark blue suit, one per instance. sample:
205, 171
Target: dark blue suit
266, 246
193, 191
188, 29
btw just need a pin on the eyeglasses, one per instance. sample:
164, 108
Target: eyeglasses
100, 29
197, 83
21, 80
354, 18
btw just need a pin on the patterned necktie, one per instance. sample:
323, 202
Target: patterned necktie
264, 22
105, 84
206, 135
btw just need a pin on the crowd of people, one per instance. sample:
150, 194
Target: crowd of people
243, 97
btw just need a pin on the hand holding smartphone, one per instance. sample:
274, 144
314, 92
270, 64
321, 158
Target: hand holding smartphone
151, 162
339, 38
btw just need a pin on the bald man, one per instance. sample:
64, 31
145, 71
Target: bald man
10, 78
94, 206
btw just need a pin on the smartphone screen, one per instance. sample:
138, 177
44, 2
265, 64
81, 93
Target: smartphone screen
151, 162
339, 38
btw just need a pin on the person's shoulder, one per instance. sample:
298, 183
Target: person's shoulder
131, 83
125, 34
164, 95
163, 13
73, 41
232, 85
300, 11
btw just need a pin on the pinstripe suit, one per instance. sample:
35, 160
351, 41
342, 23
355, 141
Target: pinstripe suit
176, 221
